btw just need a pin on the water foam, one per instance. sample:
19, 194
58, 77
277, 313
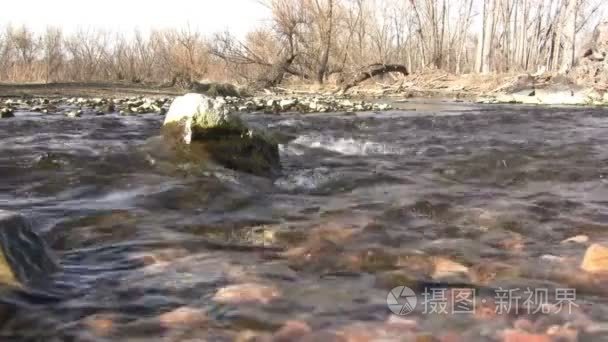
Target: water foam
347, 146
305, 180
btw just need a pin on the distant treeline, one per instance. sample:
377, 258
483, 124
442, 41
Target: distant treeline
317, 41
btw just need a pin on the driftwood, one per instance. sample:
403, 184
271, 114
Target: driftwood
372, 71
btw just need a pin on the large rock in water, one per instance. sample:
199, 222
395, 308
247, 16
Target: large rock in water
25, 259
202, 127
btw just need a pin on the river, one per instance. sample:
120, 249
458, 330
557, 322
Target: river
446, 194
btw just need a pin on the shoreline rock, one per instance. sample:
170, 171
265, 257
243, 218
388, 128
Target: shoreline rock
549, 96
25, 259
6, 112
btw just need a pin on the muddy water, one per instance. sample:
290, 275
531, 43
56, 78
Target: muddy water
366, 202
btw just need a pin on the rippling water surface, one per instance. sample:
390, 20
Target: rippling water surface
366, 202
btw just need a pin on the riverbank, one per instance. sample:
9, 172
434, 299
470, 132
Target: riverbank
541, 89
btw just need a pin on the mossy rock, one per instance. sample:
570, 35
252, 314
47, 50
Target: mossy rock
199, 117
252, 154
6, 113
200, 128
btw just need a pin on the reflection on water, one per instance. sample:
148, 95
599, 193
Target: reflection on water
453, 193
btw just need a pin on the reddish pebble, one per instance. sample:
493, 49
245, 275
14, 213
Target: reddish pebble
183, 316
523, 325
246, 293
596, 259
291, 330
518, 336
563, 334
101, 325
450, 337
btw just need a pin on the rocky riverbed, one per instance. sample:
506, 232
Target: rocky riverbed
272, 104
494, 216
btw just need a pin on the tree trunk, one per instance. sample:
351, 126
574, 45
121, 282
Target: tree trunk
372, 71
481, 39
488, 36
569, 34
322, 70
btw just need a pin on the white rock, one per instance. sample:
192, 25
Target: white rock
74, 113
271, 103
189, 108
447, 268
563, 97
552, 258
577, 239
287, 103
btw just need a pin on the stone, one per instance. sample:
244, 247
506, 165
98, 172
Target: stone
107, 108
200, 116
247, 293
519, 336
552, 258
288, 104
564, 97
6, 112
100, 324
384, 106
523, 324
505, 98
581, 239
210, 130
595, 259
25, 259
549, 96
291, 331
74, 114
563, 333
183, 316
445, 268
493, 272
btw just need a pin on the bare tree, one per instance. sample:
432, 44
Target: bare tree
52, 44
318, 41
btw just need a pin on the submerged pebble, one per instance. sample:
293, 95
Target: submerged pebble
247, 293
596, 259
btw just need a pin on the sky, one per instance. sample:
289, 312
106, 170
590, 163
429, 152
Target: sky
238, 16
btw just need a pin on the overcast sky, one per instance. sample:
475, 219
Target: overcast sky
208, 16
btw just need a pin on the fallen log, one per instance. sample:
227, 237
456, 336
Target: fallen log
372, 71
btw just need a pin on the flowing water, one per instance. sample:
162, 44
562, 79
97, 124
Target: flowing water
365, 203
